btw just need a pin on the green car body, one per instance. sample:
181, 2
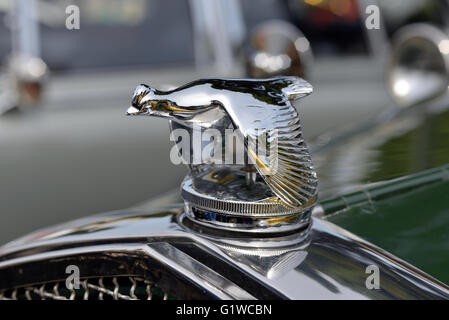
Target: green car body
401, 201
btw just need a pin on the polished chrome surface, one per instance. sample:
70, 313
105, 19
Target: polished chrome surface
419, 64
222, 206
276, 48
325, 263
280, 183
252, 224
226, 199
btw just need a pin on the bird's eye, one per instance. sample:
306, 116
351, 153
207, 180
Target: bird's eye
135, 101
139, 98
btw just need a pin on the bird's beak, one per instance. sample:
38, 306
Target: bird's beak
132, 111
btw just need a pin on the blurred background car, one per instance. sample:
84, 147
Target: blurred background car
67, 150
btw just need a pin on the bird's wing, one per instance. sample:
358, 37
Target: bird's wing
283, 160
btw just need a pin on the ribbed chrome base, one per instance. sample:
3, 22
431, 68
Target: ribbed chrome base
260, 216
250, 224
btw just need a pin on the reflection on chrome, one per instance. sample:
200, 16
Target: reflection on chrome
419, 64
277, 48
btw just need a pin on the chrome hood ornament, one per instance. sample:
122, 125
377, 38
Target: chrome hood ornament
264, 181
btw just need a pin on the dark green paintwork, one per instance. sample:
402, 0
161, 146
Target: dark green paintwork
408, 217
402, 181
423, 147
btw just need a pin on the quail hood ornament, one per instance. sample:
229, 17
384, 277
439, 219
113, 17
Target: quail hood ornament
250, 169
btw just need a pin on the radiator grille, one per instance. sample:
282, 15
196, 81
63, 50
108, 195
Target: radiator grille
98, 288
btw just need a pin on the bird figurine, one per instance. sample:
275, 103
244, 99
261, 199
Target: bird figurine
252, 106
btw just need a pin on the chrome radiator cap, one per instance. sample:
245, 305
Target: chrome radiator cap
250, 169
